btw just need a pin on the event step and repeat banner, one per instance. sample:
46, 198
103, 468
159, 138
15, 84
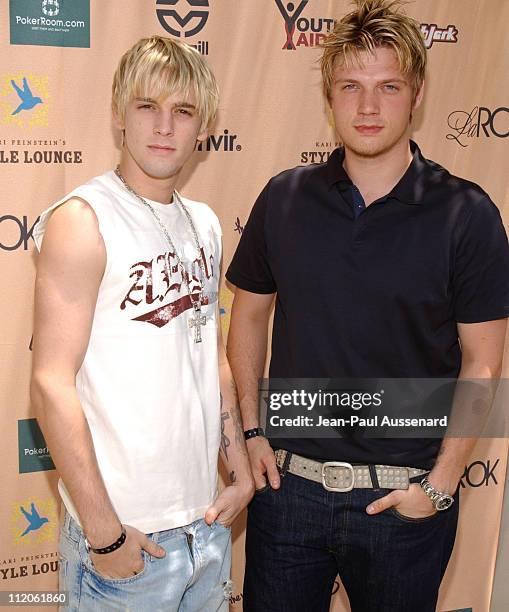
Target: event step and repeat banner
57, 59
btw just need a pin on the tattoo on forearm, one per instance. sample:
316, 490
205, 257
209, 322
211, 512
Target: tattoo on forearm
225, 440
232, 477
237, 420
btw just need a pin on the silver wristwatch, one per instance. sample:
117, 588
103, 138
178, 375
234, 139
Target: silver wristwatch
440, 500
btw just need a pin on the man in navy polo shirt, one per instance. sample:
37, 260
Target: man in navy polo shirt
382, 264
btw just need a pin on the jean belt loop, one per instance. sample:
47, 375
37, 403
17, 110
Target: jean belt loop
286, 463
374, 477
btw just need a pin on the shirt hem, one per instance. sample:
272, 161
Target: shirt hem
249, 286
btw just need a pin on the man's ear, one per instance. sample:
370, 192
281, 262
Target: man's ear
203, 135
117, 121
418, 97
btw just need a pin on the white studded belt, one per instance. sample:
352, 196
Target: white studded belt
342, 477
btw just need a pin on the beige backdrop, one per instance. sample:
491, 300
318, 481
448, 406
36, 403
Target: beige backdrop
271, 117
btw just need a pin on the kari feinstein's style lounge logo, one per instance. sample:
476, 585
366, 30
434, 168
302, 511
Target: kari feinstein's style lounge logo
24, 100
25, 107
302, 30
320, 153
184, 18
53, 23
480, 122
33, 521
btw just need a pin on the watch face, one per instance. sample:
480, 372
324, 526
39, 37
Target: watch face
444, 502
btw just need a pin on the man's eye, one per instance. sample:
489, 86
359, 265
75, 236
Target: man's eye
184, 111
350, 86
390, 87
146, 106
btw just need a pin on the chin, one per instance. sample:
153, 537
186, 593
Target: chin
161, 172
372, 148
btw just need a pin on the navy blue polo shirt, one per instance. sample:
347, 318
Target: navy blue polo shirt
378, 294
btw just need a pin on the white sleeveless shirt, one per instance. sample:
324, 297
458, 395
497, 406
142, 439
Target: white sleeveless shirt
149, 392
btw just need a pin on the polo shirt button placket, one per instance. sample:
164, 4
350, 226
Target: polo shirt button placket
359, 208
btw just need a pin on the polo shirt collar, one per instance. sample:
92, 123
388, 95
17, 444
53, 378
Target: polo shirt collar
409, 190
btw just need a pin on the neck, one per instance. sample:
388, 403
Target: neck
377, 176
150, 187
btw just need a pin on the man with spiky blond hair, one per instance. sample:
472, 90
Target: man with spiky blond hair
383, 265
130, 380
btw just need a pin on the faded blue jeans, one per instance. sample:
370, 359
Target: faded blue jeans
194, 576
300, 537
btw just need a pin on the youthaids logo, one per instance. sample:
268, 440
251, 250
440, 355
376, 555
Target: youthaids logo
302, 30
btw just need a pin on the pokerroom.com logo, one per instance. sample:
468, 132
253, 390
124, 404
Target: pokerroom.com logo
185, 18
302, 31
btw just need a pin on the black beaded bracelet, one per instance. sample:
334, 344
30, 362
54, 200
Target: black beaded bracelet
108, 549
253, 433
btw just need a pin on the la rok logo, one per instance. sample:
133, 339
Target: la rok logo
15, 232
302, 31
480, 122
479, 474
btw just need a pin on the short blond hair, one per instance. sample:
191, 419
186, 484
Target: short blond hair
373, 24
156, 67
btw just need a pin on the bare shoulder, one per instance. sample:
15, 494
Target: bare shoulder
72, 236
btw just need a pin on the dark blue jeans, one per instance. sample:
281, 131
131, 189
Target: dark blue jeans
301, 536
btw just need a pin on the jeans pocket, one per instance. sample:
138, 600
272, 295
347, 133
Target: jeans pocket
89, 567
219, 525
410, 519
263, 490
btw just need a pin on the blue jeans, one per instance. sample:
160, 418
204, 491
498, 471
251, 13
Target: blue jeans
300, 537
193, 576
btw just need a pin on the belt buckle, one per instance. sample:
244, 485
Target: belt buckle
328, 464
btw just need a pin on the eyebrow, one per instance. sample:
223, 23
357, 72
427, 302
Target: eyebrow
396, 80
179, 104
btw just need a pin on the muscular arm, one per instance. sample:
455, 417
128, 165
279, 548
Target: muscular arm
482, 346
247, 349
69, 272
235, 497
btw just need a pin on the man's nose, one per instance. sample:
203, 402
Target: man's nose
369, 103
164, 124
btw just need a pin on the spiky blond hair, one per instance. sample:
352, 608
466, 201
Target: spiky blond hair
375, 23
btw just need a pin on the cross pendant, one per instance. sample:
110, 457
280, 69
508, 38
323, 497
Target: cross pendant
197, 321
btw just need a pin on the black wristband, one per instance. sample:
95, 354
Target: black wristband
253, 433
108, 549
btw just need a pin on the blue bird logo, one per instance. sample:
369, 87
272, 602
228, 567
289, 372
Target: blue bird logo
35, 521
28, 100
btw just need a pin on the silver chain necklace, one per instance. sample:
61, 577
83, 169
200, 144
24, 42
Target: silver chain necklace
199, 319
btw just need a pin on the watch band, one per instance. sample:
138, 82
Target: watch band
108, 549
439, 499
253, 433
